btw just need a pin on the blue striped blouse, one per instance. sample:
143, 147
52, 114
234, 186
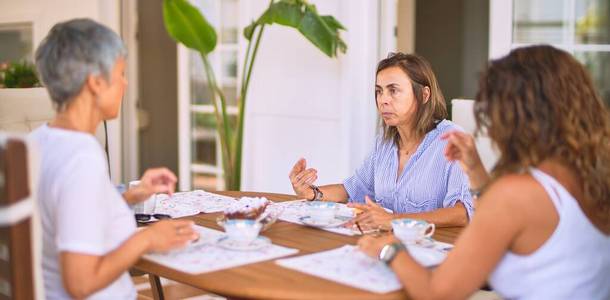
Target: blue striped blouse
428, 181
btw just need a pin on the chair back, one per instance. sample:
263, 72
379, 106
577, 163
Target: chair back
20, 238
462, 113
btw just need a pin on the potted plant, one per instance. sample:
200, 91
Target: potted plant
24, 104
188, 26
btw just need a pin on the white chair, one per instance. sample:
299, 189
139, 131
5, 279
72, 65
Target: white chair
463, 115
20, 232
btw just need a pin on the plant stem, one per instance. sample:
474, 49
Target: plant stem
242, 104
221, 119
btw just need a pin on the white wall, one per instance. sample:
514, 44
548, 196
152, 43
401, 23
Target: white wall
303, 104
44, 14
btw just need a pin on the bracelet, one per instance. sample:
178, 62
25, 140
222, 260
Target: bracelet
317, 193
475, 193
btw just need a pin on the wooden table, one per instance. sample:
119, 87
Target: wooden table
267, 280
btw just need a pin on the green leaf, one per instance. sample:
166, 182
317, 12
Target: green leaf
322, 31
333, 23
317, 32
188, 26
249, 30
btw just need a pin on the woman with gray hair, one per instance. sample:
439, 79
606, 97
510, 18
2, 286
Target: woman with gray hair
89, 232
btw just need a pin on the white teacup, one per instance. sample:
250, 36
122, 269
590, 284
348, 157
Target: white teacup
409, 231
322, 211
143, 207
244, 231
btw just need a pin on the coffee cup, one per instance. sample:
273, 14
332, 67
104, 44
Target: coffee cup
143, 207
409, 231
242, 230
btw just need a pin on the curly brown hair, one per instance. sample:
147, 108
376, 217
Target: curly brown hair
420, 74
539, 103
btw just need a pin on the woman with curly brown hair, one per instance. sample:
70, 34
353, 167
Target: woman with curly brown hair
542, 228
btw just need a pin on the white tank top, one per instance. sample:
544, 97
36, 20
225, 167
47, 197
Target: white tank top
574, 263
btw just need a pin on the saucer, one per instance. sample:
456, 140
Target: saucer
425, 242
427, 257
229, 244
335, 222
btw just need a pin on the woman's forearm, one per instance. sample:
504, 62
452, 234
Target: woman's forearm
442, 217
129, 197
83, 275
334, 193
417, 280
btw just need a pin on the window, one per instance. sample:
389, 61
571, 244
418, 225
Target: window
15, 42
581, 27
205, 152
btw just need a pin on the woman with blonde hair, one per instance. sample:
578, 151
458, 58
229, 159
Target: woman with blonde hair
542, 228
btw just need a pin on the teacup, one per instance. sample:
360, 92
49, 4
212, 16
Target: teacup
322, 211
409, 231
242, 230
147, 206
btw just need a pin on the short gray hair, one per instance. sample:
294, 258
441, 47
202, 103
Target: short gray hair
71, 52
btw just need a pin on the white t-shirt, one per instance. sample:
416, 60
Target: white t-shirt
81, 211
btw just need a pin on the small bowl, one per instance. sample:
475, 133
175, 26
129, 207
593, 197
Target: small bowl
244, 231
266, 219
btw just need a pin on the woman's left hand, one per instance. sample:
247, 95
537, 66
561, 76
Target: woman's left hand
154, 181
373, 216
372, 245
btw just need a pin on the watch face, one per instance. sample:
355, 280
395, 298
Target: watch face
387, 253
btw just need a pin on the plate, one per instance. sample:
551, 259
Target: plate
335, 222
229, 244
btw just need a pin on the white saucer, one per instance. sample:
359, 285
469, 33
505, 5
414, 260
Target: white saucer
259, 243
335, 222
426, 243
426, 256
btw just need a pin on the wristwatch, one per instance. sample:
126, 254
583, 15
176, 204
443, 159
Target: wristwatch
317, 193
389, 252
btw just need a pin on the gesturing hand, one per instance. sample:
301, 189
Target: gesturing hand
154, 181
372, 216
301, 179
372, 245
170, 234
461, 147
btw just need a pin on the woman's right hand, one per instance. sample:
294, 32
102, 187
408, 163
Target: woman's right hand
461, 147
302, 179
167, 235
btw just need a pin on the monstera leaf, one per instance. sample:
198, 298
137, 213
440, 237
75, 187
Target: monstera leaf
322, 31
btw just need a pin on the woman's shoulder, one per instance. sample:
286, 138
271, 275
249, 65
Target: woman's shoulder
516, 189
446, 126
65, 147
